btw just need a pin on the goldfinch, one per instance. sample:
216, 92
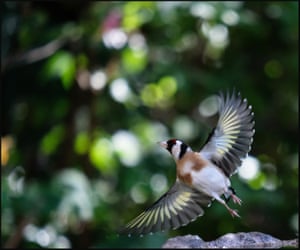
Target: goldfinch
202, 176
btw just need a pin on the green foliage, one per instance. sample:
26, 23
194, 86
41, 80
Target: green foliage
90, 87
62, 64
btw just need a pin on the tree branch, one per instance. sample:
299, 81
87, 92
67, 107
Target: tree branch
33, 55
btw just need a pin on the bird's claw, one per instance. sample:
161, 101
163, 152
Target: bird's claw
234, 213
236, 199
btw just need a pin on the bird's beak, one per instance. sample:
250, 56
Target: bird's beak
163, 144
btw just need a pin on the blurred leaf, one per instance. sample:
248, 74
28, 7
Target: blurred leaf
101, 155
136, 13
62, 64
82, 143
51, 140
134, 61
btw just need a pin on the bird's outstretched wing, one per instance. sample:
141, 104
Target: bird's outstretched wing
231, 139
177, 207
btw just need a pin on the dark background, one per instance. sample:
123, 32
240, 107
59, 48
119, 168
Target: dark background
88, 88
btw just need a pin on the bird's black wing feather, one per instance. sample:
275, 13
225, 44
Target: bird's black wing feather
177, 207
231, 139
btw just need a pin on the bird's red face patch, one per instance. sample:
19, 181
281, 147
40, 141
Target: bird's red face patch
172, 141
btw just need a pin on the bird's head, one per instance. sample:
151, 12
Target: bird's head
176, 147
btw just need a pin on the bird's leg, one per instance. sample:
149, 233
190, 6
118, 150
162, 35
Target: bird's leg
236, 199
233, 212
233, 195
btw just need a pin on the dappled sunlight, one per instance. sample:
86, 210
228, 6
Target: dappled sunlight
218, 36
150, 132
158, 183
184, 128
137, 194
105, 191
16, 181
134, 60
249, 169
136, 13
76, 196
209, 106
61, 64
204, 10
115, 38
259, 175
45, 236
98, 80
137, 42
159, 94
101, 154
120, 90
127, 147
230, 17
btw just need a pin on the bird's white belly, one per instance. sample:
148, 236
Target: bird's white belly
211, 181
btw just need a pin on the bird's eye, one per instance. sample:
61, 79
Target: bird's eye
171, 143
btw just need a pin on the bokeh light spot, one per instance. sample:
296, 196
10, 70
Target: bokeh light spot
218, 36
127, 147
184, 128
159, 94
158, 183
119, 90
101, 155
249, 168
137, 194
134, 61
209, 106
230, 17
98, 80
137, 42
203, 10
16, 180
114, 38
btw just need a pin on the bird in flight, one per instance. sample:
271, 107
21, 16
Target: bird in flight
202, 176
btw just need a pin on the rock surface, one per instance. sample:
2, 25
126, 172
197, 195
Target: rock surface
231, 240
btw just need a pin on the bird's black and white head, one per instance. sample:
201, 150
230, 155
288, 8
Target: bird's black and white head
176, 147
